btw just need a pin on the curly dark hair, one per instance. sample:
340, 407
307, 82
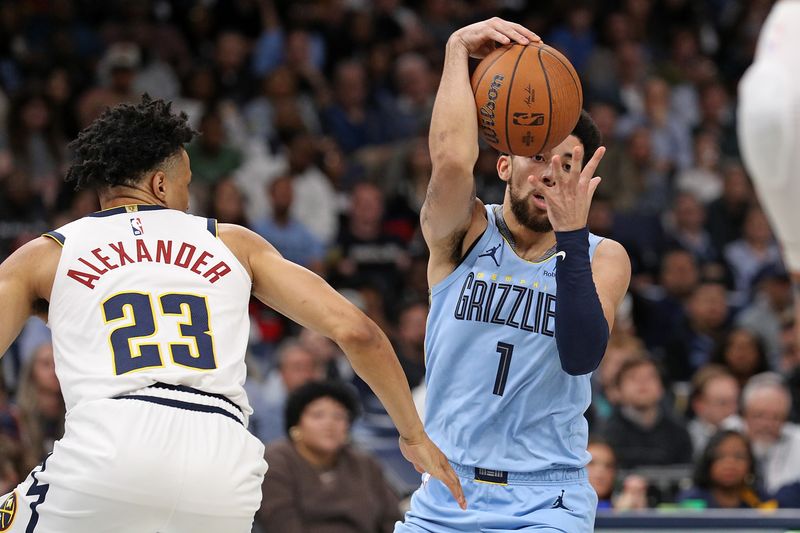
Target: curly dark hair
125, 142
305, 394
589, 134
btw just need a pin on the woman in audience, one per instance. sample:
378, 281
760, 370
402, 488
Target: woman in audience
317, 483
603, 477
724, 476
743, 353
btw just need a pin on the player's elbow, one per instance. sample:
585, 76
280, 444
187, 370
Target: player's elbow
356, 330
579, 368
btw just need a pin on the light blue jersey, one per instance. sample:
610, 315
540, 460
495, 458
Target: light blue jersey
497, 397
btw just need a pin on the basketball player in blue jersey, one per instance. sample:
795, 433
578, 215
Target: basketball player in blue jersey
522, 301
148, 310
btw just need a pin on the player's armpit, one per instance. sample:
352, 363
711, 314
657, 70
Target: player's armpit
25, 278
611, 271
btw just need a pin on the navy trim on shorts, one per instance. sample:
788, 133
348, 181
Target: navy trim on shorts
189, 406
191, 390
41, 492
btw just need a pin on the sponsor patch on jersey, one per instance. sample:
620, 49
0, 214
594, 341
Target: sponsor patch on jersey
8, 510
136, 226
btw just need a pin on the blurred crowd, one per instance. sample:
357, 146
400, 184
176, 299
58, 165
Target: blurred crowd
314, 116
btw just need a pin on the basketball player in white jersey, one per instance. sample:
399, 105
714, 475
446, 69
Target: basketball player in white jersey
148, 310
769, 129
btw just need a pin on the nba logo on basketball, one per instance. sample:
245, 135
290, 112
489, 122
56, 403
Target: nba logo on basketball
136, 226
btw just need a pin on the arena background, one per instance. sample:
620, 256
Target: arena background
314, 120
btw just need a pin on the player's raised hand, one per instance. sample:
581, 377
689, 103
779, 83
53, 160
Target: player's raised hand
569, 194
479, 39
426, 457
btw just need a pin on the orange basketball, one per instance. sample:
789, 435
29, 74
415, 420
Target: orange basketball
528, 98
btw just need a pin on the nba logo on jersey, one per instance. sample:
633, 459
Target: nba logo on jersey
136, 226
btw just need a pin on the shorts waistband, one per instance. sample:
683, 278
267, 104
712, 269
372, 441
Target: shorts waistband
183, 397
501, 477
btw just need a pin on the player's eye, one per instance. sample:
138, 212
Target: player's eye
567, 167
539, 158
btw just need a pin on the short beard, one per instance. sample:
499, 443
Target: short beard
523, 212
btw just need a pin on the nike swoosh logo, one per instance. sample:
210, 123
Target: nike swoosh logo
562, 255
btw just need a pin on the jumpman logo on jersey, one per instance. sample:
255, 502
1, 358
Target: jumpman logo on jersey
491, 253
559, 503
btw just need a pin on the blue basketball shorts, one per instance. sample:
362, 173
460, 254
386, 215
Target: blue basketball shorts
546, 501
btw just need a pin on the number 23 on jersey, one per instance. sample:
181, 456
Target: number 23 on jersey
137, 310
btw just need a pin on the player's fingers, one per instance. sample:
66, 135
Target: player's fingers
451, 481
526, 32
577, 160
591, 166
497, 36
593, 184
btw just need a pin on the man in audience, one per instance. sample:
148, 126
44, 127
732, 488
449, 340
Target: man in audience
642, 431
714, 397
776, 442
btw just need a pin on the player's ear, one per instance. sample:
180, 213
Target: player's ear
504, 166
158, 184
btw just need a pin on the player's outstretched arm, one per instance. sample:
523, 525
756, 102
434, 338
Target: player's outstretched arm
307, 299
25, 277
453, 138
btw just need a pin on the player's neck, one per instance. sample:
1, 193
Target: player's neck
125, 195
527, 243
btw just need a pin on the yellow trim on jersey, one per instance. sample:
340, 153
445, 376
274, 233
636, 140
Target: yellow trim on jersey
5, 512
59, 243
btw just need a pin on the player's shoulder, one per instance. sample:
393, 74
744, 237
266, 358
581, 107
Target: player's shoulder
609, 249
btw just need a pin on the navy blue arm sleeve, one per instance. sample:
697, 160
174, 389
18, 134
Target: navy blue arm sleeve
581, 327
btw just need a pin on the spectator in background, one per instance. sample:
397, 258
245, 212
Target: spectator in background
291, 238
751, 254
314, 202
642, 431
725, 475
726, 215
660, 309
714, 397
769, 311
686, 230
230, 67
409, 342
704, 179
621, 347
742, 354
317, 482
227, 203
117, 72
365, 253
602, 470
776, 442
411, 108
41, 404
37, 143
213, 157
694, 344
295, 366
351, 118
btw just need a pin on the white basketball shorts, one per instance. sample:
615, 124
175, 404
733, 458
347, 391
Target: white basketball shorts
156, 461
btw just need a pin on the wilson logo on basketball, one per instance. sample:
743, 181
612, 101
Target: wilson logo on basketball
487, 109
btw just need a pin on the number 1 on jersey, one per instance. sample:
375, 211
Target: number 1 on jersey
506, 351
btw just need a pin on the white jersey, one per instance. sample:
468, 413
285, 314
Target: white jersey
144, 295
